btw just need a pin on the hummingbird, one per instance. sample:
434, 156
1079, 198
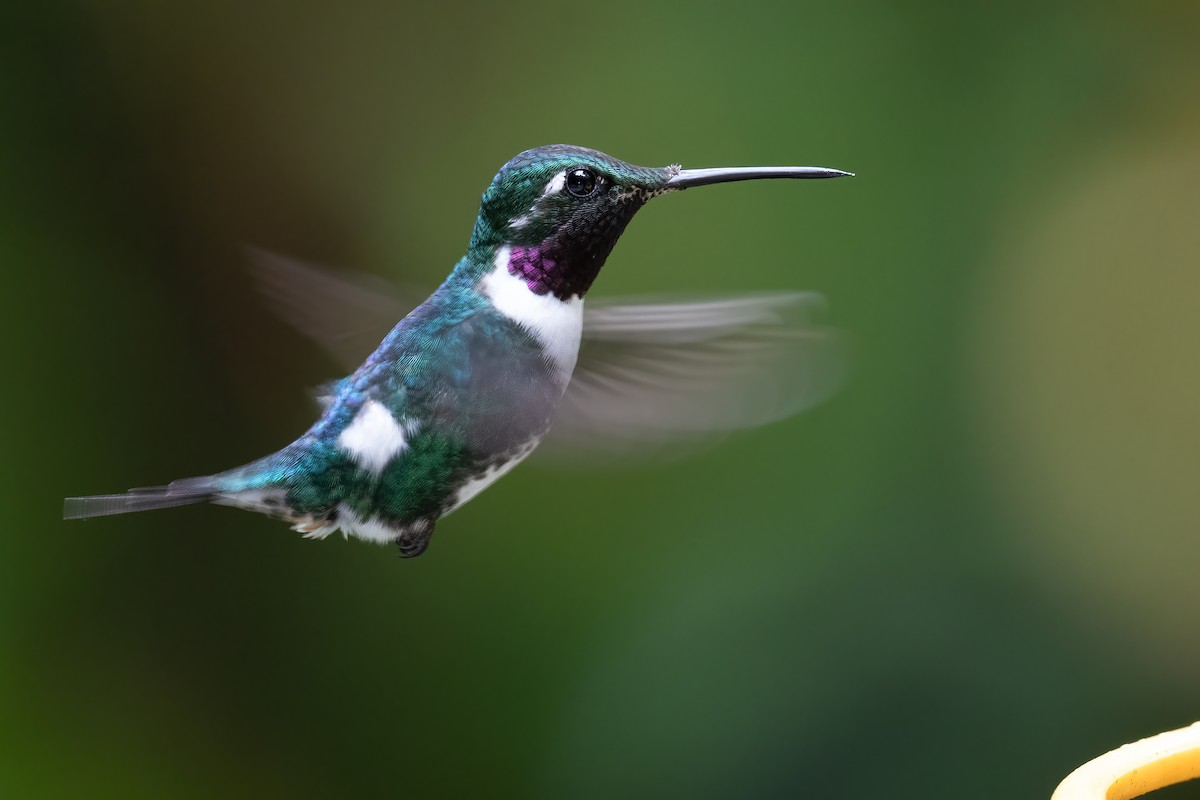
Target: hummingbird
469, 382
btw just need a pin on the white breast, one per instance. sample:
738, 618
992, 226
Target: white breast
557, 324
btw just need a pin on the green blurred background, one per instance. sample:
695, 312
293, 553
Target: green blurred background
968, 573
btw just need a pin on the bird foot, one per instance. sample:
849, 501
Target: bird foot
415, 540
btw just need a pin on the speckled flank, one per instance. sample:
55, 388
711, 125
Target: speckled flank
490, 475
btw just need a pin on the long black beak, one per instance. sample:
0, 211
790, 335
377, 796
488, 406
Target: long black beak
702, 177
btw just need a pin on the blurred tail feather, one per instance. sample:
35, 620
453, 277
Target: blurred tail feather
178, 493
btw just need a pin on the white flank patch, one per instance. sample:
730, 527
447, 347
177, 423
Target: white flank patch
556, 184
476, 485
373, 438
557, 324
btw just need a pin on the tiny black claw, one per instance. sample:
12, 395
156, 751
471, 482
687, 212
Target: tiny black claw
415, 541
412, 549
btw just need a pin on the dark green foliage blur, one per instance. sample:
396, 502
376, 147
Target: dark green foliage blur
972, 570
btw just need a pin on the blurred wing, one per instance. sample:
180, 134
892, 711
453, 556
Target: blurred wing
654, 376
346, 314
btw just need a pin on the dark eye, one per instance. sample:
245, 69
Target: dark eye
581, 182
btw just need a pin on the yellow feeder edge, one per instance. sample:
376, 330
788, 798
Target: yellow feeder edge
1134, 769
